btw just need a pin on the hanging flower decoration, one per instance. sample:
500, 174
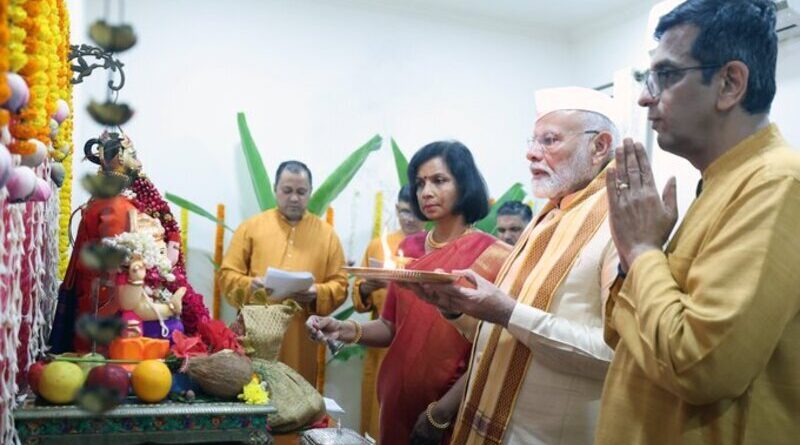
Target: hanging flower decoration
5, 38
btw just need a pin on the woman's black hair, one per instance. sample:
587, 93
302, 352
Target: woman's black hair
473, 199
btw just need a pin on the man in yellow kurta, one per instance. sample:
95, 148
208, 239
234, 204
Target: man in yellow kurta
291, 239
369, 295
707, 332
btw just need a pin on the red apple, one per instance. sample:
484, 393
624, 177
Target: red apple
111, 377
35, 375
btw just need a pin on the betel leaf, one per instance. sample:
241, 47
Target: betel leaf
345, 314
338, 180
515, 193
348, 352
400, 163
262, 186
192, 207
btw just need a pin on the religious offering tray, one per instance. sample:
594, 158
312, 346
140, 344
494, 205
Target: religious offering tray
402, 275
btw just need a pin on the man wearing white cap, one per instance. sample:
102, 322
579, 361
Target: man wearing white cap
539, 358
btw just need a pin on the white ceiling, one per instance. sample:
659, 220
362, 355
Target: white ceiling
546, 15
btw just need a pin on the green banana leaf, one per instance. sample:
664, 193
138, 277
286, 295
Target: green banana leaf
262, 185
338, 180
192, 207
211, 260
401, 163
515, 193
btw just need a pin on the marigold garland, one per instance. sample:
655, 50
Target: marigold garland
34, 119
219, 242
17, 35
5, 37
376, 224
63, 142
185, 234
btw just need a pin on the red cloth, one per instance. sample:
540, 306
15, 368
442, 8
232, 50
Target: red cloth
218, 337
427, 354
101, 218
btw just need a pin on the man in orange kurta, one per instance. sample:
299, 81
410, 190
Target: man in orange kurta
369, 296
288, 238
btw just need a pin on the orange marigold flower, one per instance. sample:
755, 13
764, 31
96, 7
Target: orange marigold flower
22, 148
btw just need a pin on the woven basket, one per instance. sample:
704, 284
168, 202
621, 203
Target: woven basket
265, 326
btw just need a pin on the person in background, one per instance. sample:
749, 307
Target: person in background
421, 382
512, 218
288, 238
369, 297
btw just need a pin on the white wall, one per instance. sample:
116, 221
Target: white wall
603, 51
317, 79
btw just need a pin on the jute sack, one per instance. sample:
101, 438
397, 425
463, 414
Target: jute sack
297, 402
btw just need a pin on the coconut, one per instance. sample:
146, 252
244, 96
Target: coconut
222, 374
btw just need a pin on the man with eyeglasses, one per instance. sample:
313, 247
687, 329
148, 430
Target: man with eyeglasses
539, 355
369, 296
707, 331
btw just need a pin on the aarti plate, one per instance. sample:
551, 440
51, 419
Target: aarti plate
402, 275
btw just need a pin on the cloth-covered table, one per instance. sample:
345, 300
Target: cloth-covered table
130, 424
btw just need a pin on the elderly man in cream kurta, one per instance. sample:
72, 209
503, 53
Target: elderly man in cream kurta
539, 358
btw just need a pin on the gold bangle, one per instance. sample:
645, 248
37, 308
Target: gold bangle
429, 415
359, 331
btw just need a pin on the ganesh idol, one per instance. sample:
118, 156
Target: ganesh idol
150, 290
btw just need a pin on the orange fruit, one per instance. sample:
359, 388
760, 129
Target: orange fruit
151, 380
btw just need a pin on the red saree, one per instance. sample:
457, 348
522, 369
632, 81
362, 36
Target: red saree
427, 354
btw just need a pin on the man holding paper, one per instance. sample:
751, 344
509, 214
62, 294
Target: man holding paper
290, 239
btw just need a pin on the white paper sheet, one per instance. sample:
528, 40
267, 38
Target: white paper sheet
332, 407
284, 283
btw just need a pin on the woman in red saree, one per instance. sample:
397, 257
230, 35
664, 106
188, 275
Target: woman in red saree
419, 383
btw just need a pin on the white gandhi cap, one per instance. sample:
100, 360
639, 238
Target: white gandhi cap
576, 98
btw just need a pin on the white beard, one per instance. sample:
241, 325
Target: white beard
575, 170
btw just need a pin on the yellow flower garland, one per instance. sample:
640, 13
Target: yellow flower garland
17, 35
64, 138
376, 225
219, 241
5, 37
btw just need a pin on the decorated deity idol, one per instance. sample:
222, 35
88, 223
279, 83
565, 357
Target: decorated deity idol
108, 214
